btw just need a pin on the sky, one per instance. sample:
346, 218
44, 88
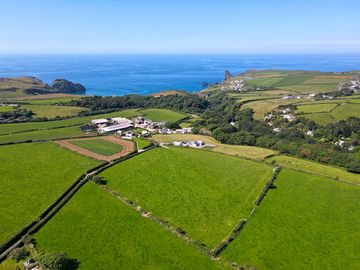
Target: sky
179, 26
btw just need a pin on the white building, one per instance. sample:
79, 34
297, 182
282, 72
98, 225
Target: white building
99, 121
115, 128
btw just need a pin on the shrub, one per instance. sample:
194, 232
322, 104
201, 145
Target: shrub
27, 239
18, 254
99, 180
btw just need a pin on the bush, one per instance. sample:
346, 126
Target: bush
99, 180
18, 254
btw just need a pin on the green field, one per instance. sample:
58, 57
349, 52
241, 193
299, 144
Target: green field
50, 101
5, 109
315, 108
307, 222
32, 177
320, 118
262, 107
244, 151
346, 110
52, 111
101, 232
324, 114
251, 152
141, 143
317, 168
98, 146
162, 115
189, 189
24, 127
47, 134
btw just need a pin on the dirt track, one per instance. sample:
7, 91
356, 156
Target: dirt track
128, 147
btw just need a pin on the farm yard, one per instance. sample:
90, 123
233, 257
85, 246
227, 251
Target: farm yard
32, 176
104, 148
119, 238
306, 222
188, 189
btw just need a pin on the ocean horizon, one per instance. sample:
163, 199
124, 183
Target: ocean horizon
120, 74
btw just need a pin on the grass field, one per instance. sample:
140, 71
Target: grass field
96, 225
5, 108
47, 134
51, 111
345, 110
250, 152
162, 115
189, 189
23, 127
307, 222
317, 168
141, 143
50, 101
261, 107
98, 146
32, 177
315, 108
311, 88
320, 118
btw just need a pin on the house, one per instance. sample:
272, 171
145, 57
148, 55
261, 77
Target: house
99, 121
276, 130
177, 143
289, 117
310, 133
129, 135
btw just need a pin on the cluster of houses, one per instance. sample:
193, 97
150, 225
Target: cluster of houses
236, 85
124, 127
193, 144
284, 113
291, 97
344, 145
355, 85
176, 131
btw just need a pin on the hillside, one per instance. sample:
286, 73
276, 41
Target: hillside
30, 86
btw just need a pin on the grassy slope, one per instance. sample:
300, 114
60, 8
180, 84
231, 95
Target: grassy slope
99, 146
251, 152
262, 107
307, 222
51, 111
317, 168
315, 108
103, 233
162, 115
191, 189
32, 177
47, 134
5, 109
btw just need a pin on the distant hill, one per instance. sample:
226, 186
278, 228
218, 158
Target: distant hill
169, 93
28, 86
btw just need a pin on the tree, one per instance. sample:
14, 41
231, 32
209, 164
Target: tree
99, 180
55, 261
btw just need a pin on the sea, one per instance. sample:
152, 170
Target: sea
145, 74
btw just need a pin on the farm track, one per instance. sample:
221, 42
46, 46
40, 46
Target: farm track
128, 147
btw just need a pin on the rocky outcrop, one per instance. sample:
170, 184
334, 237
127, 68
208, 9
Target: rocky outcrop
227, 75
65, 86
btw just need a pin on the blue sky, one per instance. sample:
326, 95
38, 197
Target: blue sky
174, 26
